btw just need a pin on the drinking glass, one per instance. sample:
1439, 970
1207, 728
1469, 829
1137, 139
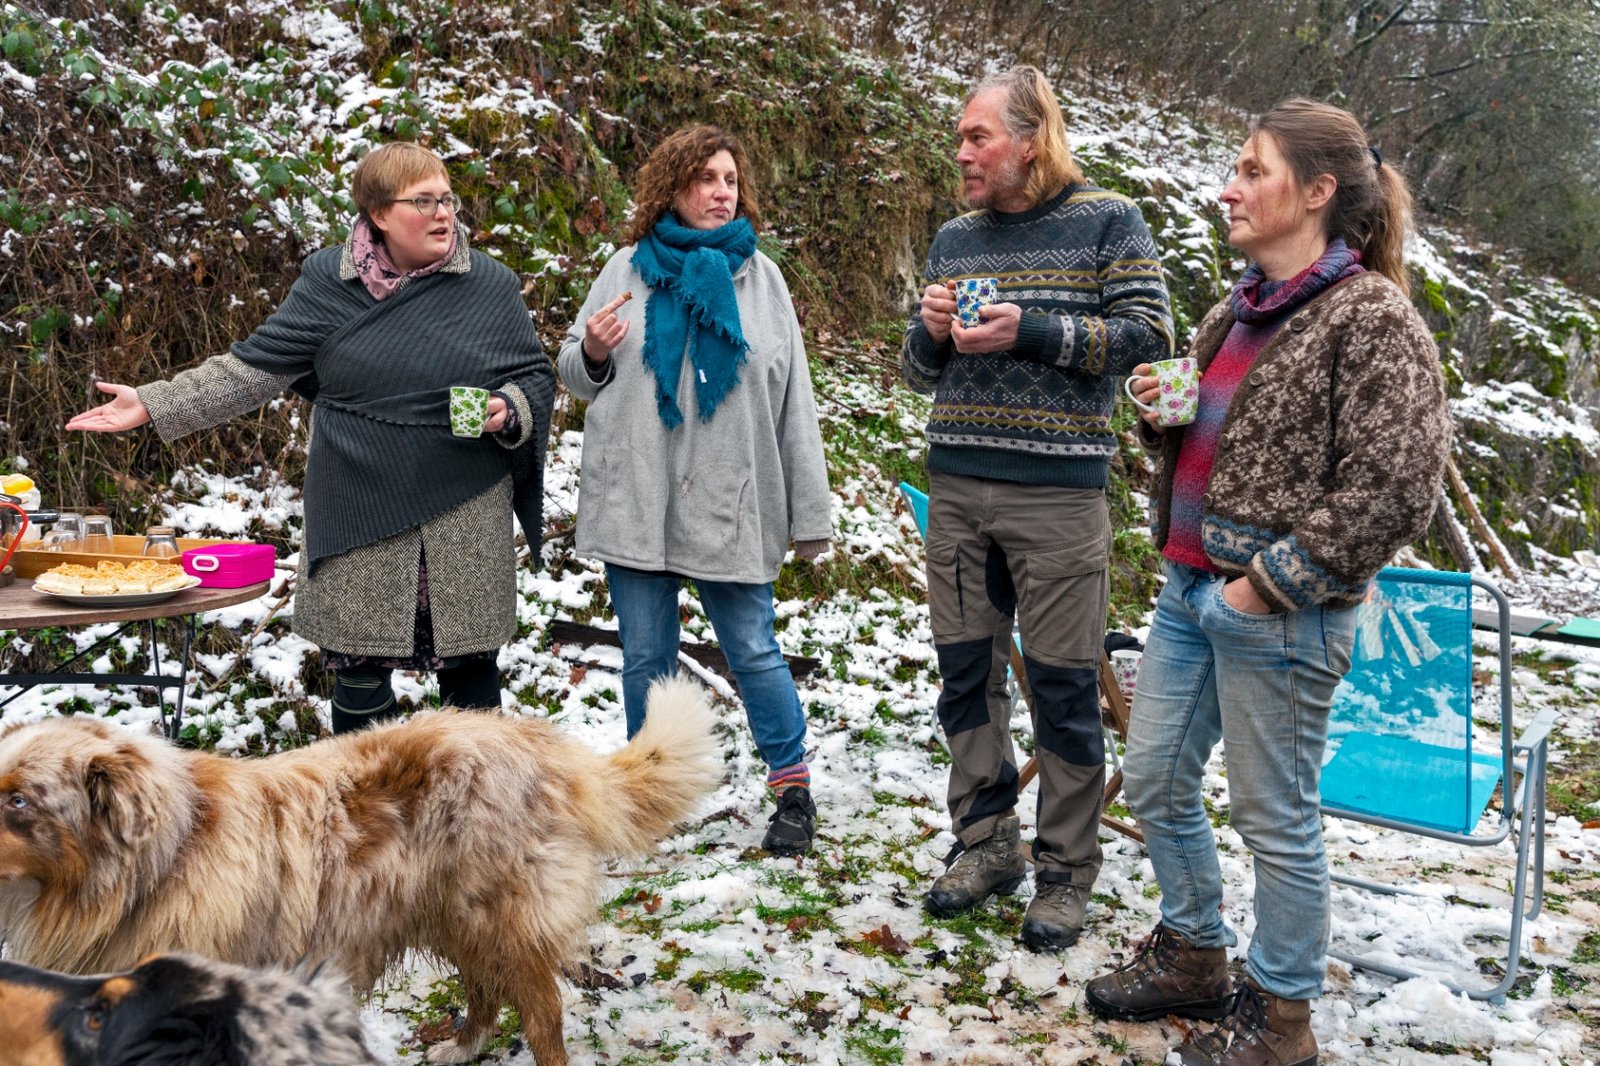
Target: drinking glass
66, 533
97, 534
161, 542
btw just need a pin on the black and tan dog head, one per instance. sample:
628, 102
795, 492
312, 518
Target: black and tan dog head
176, 1009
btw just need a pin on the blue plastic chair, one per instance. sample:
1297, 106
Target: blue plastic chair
1113, 708
1400, 752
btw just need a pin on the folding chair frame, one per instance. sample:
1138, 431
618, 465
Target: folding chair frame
1521, 818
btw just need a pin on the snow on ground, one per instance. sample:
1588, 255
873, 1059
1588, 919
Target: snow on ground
710, 951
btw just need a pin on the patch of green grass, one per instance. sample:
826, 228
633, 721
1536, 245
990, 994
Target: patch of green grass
875, 1045
1111, 1043
871, 736
743, 979
673, 956
1573, 787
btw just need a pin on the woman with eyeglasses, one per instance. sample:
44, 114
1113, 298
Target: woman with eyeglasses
408, 560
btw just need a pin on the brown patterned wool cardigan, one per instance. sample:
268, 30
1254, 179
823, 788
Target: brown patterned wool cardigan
1331, 452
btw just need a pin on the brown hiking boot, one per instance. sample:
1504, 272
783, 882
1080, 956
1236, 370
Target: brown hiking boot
1165, 976
990, 866
1261, 1030
1055, 917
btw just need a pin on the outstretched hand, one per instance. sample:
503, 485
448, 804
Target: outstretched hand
125, 411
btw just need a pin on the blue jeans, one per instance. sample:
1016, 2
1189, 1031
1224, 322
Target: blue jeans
646, 606
1262, 684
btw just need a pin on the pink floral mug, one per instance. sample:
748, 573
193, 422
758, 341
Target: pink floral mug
1179, 398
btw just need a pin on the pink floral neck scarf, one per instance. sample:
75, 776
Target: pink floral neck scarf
377, 271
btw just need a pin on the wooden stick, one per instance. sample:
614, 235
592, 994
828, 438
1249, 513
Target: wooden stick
1502, 559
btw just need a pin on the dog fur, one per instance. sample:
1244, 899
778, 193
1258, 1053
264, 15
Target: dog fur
475, 838
178, 1010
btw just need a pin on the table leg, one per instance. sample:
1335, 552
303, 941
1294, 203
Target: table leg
172, 728
183, 688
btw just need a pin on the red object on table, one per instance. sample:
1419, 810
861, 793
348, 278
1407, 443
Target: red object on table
23, 528
230, 566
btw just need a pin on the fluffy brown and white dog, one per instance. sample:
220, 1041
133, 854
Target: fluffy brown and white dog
178, 1010
474, 838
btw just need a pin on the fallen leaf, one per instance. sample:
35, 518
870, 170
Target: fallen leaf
884, 939
436, 1032
577, 674
585, 976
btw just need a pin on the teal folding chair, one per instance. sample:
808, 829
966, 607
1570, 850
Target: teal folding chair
1400, 752
1113, 708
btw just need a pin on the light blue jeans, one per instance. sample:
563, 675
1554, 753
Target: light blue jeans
1262, 684
646, 606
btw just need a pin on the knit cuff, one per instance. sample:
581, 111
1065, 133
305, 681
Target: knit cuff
1033, 337
1149, 436
600, 372
519, 417
930, 357
810, 549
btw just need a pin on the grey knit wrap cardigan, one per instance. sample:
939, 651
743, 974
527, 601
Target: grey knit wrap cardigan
362, 600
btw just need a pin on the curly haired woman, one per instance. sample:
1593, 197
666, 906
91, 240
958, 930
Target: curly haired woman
702, 457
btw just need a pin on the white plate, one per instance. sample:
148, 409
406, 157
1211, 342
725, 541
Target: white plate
116, 599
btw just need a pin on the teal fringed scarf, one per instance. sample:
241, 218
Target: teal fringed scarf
691, 307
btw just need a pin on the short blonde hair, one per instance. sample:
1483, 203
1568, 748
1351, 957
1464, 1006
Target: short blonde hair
389, 168
1030, 110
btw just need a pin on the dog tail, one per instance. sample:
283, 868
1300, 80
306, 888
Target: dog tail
669, 766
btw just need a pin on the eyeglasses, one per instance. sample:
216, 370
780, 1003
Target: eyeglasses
429, 205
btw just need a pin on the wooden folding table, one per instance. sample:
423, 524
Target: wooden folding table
21, 608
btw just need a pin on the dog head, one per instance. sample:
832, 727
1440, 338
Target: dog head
83, 804
174, 1009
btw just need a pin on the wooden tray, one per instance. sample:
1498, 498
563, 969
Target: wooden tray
126, 547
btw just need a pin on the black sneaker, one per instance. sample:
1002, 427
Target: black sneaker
793, 824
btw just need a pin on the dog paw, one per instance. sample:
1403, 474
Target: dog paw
453, 1051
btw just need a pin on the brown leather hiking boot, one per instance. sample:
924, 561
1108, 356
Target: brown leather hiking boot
1261, 1030
990, 866
1165, 976
1055, 917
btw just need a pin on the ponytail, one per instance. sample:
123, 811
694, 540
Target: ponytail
1384, 249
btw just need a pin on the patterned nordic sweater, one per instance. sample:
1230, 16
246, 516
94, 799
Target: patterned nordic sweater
1087, 276
1330, 456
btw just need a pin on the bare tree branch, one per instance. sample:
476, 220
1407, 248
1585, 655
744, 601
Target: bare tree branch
1383, 28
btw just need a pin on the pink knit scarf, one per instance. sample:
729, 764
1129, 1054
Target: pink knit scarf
378, 272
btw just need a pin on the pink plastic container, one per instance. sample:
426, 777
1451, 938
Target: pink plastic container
230, 566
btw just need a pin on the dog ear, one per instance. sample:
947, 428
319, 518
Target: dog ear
120, 798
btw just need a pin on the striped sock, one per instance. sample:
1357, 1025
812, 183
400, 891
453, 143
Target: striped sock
798, 775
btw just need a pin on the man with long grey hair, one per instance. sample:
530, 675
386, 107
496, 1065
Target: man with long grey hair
1018, 444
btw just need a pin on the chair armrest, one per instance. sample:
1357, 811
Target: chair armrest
1538, 730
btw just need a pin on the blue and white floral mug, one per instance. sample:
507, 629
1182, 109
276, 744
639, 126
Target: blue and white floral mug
971, 294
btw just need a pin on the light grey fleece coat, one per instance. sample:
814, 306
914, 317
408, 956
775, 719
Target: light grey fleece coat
718, 500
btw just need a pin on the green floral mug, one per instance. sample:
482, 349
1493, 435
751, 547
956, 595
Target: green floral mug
469, 410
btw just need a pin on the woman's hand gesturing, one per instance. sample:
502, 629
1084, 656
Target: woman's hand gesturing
125, 411
604, 330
